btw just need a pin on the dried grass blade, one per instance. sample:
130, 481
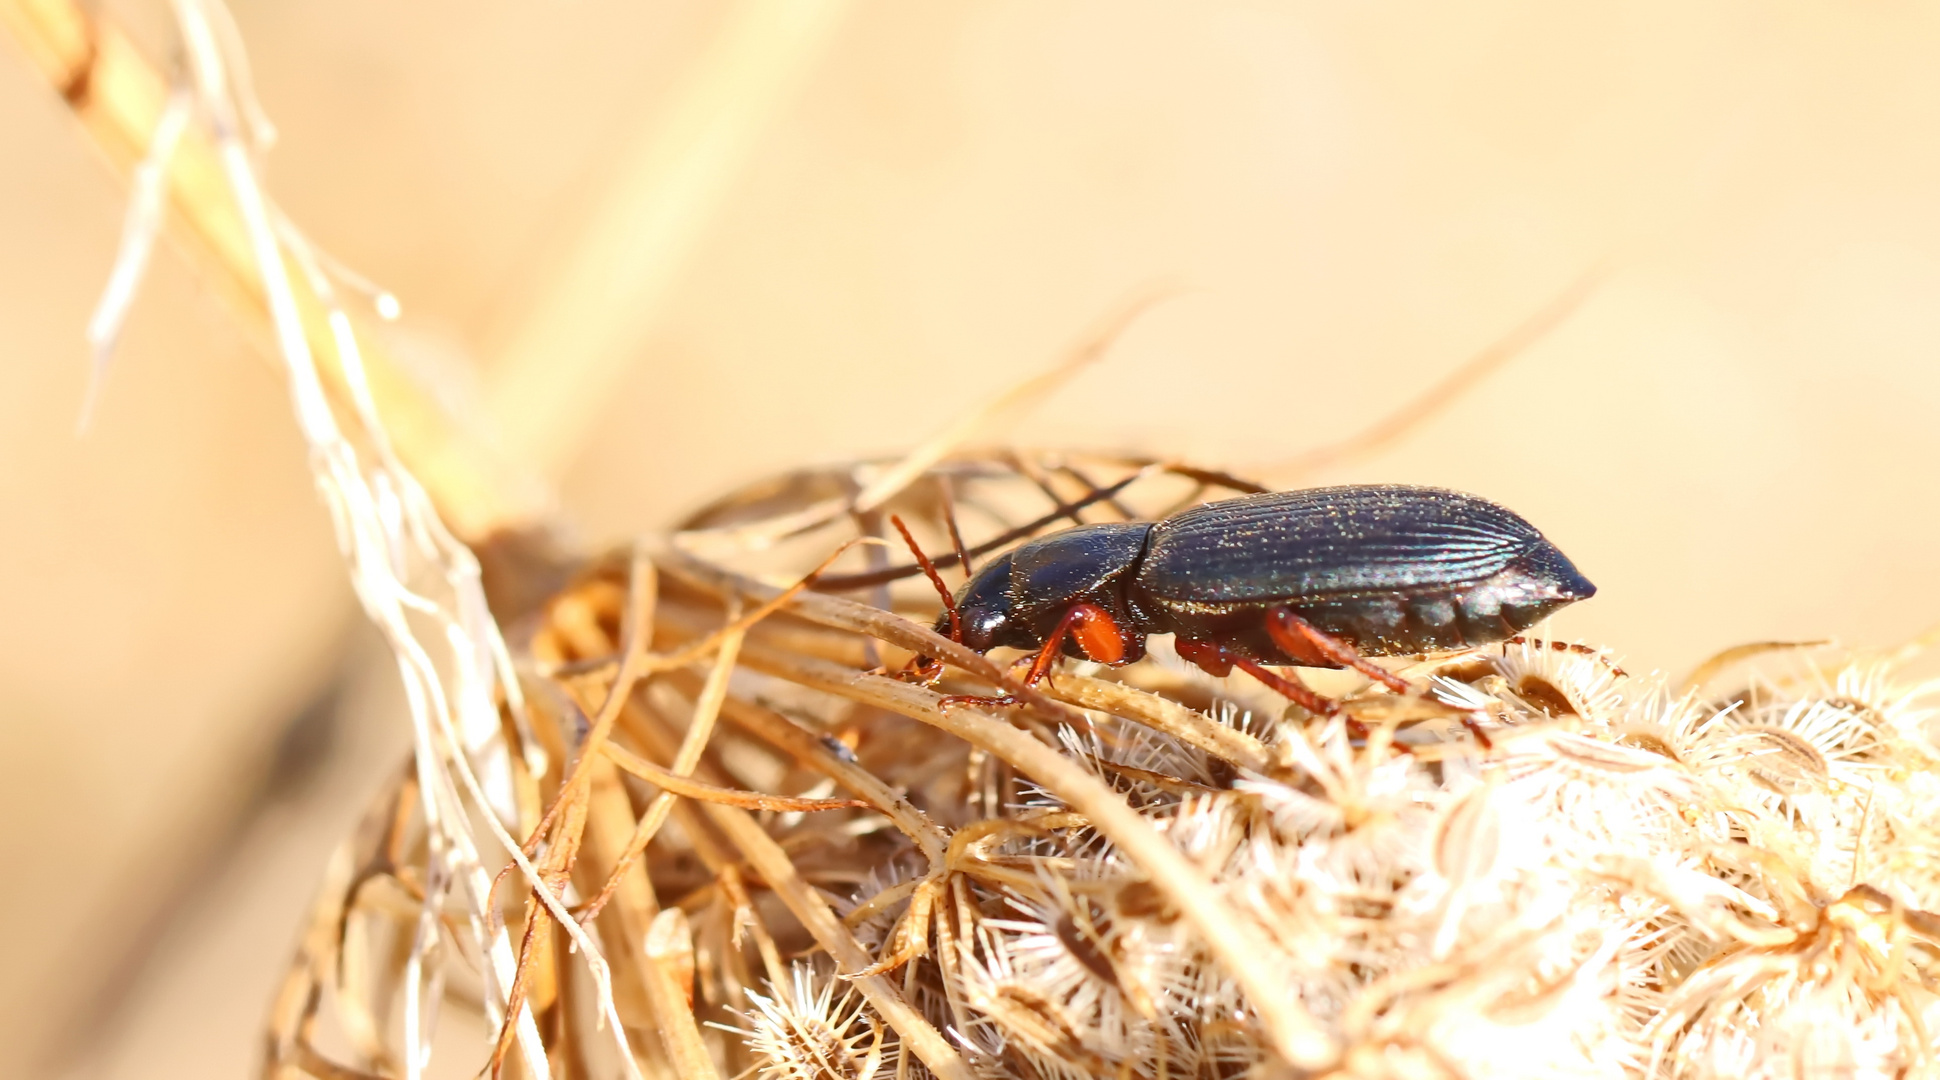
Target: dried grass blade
883, 625
1087, 350
1442, 395
1718, 662
778, 731
746, 914
677, 784
670, 986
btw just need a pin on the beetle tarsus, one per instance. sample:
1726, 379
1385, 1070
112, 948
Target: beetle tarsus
1001, 701
921, 670
1474, 727
1569, 647
1290, 687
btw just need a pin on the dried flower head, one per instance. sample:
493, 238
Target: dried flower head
1532, 863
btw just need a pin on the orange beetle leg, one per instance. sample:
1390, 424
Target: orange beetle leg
1299, 638
1097, 633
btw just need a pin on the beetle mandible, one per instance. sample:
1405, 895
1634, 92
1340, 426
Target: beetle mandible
1314, 578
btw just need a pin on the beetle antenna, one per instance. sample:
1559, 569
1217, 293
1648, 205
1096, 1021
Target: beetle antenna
852, 582
950, 520
1120, 508
936, 579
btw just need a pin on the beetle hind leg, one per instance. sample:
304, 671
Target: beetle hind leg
1296, 637
1289, 631
1216, 660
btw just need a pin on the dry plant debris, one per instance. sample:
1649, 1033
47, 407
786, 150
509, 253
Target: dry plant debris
800, 868
729, 842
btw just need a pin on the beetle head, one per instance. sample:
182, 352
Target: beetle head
983, 606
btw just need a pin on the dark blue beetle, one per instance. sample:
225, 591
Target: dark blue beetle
1316, 578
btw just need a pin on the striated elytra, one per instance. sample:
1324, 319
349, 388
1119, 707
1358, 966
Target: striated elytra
1383, 569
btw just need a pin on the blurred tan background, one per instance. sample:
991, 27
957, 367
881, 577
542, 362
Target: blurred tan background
1735, 437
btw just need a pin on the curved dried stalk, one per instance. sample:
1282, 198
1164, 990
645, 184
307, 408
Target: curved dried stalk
678, 783
774, 865
119, 97
1392, 427
1250, 961
778, 731
1189, 726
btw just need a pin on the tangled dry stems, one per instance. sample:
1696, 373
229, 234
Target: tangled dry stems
1143, 873
1729, 877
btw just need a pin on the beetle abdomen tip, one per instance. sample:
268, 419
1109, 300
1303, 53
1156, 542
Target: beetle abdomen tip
1551, 573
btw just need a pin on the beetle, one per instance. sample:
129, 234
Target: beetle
1316, 578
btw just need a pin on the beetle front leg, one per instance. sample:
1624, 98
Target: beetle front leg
1096, 632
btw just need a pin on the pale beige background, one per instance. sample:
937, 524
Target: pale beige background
1735, 438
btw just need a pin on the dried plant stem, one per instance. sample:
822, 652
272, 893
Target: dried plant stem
565, 819
778, 731
775, 867
120, 98
685, 759
886, 626
1390, 428
636, 638
768, 859
1291, 1029
667, 1002
676, 783
746, 914
1161, 714
669, 954
1086, 352
1718, 663
609, 818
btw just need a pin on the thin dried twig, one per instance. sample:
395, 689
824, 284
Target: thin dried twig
679, 783
1443, 393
